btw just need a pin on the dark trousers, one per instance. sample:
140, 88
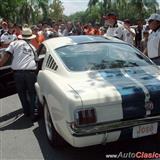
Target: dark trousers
156, 60
25, 81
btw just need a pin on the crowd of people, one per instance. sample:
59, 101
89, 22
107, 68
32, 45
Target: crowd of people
124, 30
21, 43
136, 35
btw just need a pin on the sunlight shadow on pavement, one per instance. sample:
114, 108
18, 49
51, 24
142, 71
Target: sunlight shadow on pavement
14, 121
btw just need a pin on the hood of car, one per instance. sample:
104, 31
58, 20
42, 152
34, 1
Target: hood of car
133, 88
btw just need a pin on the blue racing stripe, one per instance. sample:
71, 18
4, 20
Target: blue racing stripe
151, 83
133, 97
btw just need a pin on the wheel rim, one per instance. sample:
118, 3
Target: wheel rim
48, 123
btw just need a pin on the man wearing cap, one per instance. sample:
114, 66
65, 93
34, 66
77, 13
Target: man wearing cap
24, 66
114, 29
153, 45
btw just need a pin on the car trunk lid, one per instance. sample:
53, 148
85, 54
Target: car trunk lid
132, 91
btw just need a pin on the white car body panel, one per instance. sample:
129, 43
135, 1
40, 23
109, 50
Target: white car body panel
66, 92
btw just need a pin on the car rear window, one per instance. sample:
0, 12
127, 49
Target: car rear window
98, 56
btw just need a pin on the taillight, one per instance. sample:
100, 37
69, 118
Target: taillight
85, 116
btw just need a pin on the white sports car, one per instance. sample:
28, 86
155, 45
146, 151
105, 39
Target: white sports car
97, 90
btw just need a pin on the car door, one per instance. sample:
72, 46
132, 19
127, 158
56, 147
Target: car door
41, 54
7, 83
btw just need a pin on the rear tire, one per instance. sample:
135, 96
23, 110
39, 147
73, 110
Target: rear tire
54, 138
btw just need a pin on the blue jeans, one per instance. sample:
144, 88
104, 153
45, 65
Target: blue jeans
25, 81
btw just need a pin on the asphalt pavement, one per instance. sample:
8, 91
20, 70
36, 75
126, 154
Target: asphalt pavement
20, 139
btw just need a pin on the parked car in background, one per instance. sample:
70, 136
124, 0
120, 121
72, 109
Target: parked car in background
7, 83
96, 90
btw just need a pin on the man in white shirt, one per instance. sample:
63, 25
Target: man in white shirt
24, 66
153, 45
7, 37
114, 29
128, 32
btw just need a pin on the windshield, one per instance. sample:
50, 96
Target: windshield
98, 56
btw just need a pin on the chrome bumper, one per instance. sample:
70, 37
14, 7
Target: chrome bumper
80, 131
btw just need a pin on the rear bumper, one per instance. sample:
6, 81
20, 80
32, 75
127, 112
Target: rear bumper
108, 127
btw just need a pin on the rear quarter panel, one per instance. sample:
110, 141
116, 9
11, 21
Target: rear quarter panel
61, 99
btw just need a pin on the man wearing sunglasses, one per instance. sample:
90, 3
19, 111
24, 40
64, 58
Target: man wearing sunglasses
153, 45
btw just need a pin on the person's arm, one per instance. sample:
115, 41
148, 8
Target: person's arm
145, 52
4, 59
130, 30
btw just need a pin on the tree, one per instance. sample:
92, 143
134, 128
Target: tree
105, 4
133, 9
32, 8
8, 9
25, 8
43, 5
78, 16
56, 10
23, 11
